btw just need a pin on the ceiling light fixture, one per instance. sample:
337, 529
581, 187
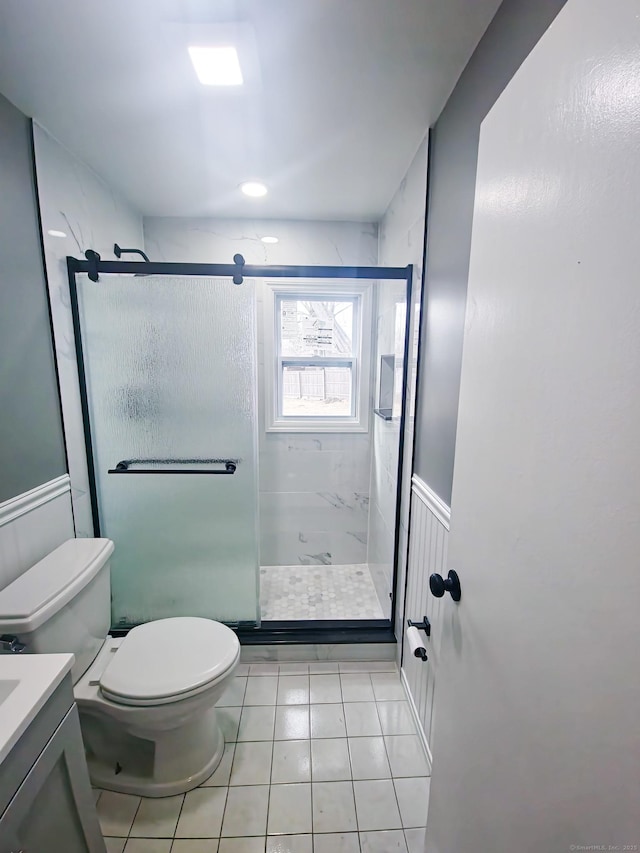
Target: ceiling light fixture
255, 189
53, 233
269, 239
216, 66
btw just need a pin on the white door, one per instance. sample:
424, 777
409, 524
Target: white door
538, 699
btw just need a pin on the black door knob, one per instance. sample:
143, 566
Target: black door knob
438, 585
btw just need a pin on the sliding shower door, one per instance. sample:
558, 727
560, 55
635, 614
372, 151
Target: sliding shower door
170, 377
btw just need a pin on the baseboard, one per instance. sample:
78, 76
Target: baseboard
416, 718
28, 501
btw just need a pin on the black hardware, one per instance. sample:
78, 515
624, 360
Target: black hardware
238, 260
425, 625
92, 266
118, 252
438, 585
74, 265
122, 467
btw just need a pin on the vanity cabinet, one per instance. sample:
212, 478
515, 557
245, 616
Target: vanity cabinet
46, 800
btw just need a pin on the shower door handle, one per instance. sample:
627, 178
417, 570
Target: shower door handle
124, 467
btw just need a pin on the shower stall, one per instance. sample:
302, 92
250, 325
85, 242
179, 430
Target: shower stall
169, 374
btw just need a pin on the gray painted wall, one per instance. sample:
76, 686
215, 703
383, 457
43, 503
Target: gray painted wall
31, 440
512, 34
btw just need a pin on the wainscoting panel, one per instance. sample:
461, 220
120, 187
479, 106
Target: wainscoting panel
32, 525
428, 542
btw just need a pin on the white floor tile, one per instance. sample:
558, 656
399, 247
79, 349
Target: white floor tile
261, 690
338, 842
362, 719
195, 845
330, 760
333, 807
395, 718
242, 669
325, 688
414, 839
252, 763
368, 666
387, 687
327, 721
292, 722
241, 845
356, 687
116, 813
324, 667
201, 815
157, 817
148, 845
413, 799
264, 669
257, 722
291, 762
290, 844
229, 722
115, 845
383, 842
376, 805
246, 811
294, 669
293, 690
369, 758
221, 775
289, 809
234, 694
406, 755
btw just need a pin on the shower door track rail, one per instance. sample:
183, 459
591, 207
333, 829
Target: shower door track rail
93, 265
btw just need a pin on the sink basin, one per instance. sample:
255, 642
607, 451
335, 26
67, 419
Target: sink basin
7, 686
26, 682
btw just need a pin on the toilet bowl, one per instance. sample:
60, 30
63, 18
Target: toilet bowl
147, 706
146, 700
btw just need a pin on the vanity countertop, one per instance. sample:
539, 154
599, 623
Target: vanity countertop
26, 682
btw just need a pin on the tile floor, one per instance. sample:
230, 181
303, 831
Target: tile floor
319, 758
318, 592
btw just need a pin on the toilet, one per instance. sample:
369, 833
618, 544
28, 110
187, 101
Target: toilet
146, 700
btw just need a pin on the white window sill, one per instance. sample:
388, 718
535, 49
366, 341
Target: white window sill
316, 426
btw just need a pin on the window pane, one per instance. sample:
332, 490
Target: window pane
316, 327
311, 392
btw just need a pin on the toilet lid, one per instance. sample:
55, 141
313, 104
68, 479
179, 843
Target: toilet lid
168, 657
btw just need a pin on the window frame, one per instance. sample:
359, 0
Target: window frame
359, 362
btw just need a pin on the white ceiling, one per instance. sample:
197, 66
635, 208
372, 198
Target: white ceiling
341, 97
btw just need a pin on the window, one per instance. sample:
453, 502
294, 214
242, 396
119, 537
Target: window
318, 375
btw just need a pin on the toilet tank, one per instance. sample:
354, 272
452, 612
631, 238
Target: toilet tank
63, 603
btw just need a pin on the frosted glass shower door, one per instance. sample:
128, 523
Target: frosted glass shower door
170, 372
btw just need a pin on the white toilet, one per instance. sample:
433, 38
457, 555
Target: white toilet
147, 700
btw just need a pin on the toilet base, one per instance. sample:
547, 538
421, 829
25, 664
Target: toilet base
172, 762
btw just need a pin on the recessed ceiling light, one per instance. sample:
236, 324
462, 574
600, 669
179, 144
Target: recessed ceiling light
269, 239
216, 66
53, 233
253, 188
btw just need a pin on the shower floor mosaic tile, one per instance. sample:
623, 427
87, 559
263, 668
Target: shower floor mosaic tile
318, 592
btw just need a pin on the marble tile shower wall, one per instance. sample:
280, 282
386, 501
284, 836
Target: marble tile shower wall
75, 201
401, 242
314, 487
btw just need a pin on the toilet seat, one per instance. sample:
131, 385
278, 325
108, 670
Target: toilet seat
169, 659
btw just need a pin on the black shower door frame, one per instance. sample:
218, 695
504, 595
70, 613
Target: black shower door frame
308, 631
